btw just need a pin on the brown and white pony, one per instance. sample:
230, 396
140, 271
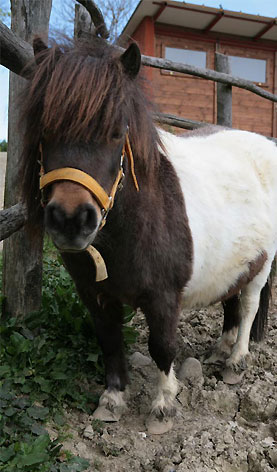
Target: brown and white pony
194, 220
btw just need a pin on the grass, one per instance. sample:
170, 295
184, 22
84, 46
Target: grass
48, 360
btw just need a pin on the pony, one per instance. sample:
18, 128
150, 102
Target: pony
167, 221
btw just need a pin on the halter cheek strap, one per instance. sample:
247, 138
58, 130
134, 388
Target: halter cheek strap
75, 175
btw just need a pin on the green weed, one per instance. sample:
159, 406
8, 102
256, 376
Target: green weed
47, 360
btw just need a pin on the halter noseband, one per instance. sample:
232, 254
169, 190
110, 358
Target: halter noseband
75, 175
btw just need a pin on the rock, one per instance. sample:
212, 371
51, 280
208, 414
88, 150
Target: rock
155, 426
273, 457
139, 360
258, 403
191, 370
88, 432
184, 396
230, 377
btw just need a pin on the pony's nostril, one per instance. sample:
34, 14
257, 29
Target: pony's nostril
87, 218
54, 216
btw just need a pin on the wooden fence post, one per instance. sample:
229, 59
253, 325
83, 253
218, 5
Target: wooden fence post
224, 92
83, 25
22, 258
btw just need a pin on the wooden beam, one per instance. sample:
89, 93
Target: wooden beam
160, 63
97, 17
11, 220
15, 53
186, 123
224, 92
159, 12
207, 74
83, 25
265, 29
214, 22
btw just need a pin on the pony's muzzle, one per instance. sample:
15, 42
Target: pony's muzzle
71, 231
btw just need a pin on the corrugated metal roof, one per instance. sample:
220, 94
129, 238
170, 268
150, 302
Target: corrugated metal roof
203, 18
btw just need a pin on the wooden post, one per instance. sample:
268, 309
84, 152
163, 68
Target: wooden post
224, 92
22, 258
83, 26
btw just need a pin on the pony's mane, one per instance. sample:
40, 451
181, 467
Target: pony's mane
80, 90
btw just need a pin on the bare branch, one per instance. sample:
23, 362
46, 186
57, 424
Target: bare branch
15, 53
97, 17
11, 220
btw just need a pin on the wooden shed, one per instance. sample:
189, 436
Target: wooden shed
190, 33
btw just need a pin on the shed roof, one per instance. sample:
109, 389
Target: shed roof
216, 20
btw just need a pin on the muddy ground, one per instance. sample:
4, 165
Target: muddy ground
219, 427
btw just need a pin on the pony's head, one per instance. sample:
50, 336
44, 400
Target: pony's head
79, 105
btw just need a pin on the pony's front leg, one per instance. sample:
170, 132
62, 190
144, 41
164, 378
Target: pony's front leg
108, 318
162, 317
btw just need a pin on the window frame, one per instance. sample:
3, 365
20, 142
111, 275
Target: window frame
189, 48
260, 84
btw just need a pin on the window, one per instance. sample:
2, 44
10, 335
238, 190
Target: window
248, 68
186, 56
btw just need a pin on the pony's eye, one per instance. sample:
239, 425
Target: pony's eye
117, 135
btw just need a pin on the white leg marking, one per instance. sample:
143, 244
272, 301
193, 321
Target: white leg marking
112, 399
167, 391
111, 406
249, 304
248, 309
223, 347
227, 340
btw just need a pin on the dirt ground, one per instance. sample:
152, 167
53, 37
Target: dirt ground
219, 427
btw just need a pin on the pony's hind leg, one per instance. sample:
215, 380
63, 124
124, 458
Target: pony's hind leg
162, 321
223, 348
250, 300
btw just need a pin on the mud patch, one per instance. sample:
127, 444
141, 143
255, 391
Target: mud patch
218, 428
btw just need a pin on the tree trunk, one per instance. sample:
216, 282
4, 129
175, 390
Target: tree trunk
22, 257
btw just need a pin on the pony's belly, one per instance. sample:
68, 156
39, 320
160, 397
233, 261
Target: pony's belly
219, 283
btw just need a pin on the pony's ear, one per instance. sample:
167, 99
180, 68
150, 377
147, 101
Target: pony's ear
39, 47
131, 59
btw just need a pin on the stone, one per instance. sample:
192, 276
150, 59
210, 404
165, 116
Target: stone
88, 432
191, 370
139, 360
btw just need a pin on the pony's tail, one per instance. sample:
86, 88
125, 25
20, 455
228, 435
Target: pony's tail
260, 322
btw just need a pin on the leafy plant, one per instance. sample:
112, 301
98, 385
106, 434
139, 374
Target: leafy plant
47, 360
3, 144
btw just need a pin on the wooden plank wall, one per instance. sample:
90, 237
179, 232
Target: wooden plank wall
195, 98
251, 112
182, 94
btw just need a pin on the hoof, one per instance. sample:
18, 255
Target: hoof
230, 377
237, 367
104, 414
217, 357
156, 425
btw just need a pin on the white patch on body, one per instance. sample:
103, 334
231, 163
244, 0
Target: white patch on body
229, 182
167, 391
